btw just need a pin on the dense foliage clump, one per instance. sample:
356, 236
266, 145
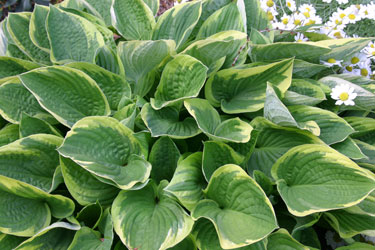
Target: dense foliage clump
203, 128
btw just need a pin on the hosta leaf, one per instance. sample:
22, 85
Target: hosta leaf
364, 128
146, 208
166, 122
15, 99
108, 149
272, 142
57, 236
366, 207
18, 28
177, 23
226, 18
9, 134
127, 115
308, 176
333, 128
237, 206
306, 51
10, 66
357, 246
303, 69
86, 238
208, 120
30, 125
276, 112
217, 154
368, 150
133, 19
37, 28
135, 57
182, 78
218, 50
281, 239
365, 99
356, 79
187, 243
256, 17
34, 160
349, 225
83, 186
349, 148
113, 86
72, 38
90, 215
99, 8
207, 239
153, 5
163, 157
188, 181
10, 242
33, 207
303, 92
68, 94
244, 90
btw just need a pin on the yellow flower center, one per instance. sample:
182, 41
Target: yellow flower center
297, 22
289, 4
344, 96
358, 6
338, 35
270, 15
373, 53
372, 45
310, 22
342, 15
331, 60
355, 60
285, 21
366, 12
306, 14
338, 22
349, 68
351, 16
364, 72
299, 40
270, 3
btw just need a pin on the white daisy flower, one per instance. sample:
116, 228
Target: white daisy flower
291, 4
300, 38
332, 62
342, 1
357, 58
352, 14
307, 10
365, 68
344, 94
298, 19
327, 1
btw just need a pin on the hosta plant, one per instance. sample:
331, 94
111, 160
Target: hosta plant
191, 130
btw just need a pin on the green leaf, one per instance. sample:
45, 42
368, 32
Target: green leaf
256, 37
368, 150
90, 215
83, 186
365, 99
187, 243
9, 242
33, 207
37, 28
9, 134
30, 125
188, 181
182, 78
349, 148
308, 176
208, 120
237, 206
166, 122
68, 94
153, 5
303, 69
107, 149
133, 19
217, 51
177, 23
366, 207
276, 112
18, 28
357, 246
146, 208
273, 141
256, 18
364, 128
100, 9
163, 157
244, 90
113, 86
107, 59
226, 18
34, 160
333, 128
15, 99
217, 154
72, 38
281, 239
10, 66
306, 51
349, 225
135, 57
87, 238
207, 239
57, 236
304, 92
